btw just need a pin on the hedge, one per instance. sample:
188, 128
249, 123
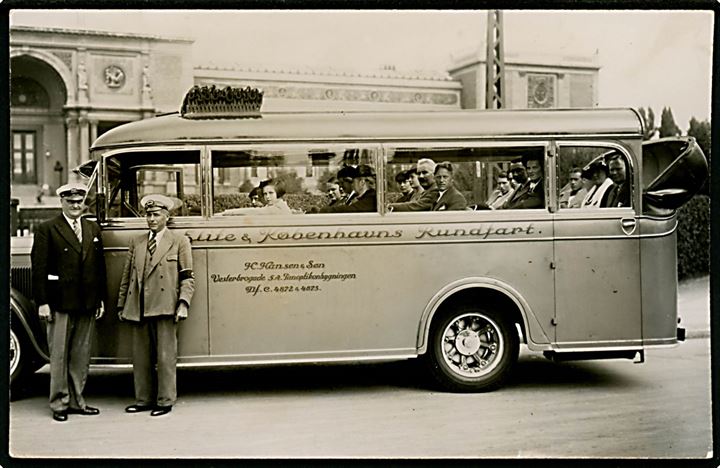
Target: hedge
693, 238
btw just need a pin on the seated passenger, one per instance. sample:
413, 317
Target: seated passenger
272, 194
363, 184
255, 196
414, 183
531, 194
333, 190
501, 194
345, 177
426, 200
619, 195
598, 194
449, 198
573, 194
403, 180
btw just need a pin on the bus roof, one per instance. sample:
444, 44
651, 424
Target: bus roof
376, 126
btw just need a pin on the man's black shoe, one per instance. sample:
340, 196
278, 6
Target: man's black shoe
60, 416
87, 411
138, 408
160, 410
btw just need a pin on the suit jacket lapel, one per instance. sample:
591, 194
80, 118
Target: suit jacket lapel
66, 231
140, 254
162, 248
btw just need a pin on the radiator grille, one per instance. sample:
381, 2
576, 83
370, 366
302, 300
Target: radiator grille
21, 279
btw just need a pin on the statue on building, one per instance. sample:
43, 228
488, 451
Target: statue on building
82, 76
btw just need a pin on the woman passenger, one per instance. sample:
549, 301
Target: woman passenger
274, 204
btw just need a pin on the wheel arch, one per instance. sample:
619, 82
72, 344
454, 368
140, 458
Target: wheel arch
21, 309
472, 290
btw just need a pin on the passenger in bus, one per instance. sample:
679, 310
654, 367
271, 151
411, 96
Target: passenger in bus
274, 204
619, 195
426, 200
417, 188
333, 190
255, 195
403, 180
598, 194
517, 175
363, 185
345, 177
502, 192
449, 198
531, 194
573, 194
155, 291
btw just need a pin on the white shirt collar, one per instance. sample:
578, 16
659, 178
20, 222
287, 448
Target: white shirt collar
158, 236
70, 221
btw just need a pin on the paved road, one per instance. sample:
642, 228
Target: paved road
586, 409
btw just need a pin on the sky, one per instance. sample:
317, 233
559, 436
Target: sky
647, 58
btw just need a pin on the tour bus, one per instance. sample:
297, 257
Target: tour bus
459, 288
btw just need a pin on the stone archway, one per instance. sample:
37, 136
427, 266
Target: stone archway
41, 90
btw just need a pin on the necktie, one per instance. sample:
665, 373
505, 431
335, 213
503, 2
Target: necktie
77, 229
152, 244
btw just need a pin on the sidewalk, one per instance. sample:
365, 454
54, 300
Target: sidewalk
26, 195
694, 306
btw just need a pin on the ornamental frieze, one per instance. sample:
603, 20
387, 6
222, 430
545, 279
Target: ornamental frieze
359, 94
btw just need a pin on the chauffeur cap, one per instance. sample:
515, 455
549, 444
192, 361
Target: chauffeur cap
156, 202
72, 190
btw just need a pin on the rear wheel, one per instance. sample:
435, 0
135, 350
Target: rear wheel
472, 349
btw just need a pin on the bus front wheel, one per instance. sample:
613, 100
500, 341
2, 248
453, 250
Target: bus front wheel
472, 349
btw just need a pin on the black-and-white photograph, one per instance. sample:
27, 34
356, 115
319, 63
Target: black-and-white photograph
219, 227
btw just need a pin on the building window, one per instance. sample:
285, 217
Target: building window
23, 157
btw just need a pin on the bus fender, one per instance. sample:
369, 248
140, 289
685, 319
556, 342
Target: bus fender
478, 283
22, 310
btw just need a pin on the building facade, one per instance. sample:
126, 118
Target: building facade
70, 86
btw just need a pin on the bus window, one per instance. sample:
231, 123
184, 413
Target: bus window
133, 175
298, 178
593, 177
442, 178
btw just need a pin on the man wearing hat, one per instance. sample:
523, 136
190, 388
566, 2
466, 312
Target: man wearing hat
363, 186
156, 288
68, 268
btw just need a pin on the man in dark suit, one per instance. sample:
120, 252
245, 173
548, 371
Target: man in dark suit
427, 199
532, 193
68, 268
363, 185
156, 288
449, 198
620, 191
345, 177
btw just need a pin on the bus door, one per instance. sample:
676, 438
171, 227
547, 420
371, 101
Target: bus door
597, 251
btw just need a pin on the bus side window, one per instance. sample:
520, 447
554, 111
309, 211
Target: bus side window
476, 178
303, 179
585, 178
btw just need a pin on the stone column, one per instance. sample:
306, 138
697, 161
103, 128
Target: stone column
71, 134
84, 137
93, 131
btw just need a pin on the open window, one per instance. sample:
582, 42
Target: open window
481, 177
287, 179
132, 175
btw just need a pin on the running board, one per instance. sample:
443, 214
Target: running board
592, 355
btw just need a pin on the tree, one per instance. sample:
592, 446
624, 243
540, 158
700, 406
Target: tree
648, 123
668, 127
701, 131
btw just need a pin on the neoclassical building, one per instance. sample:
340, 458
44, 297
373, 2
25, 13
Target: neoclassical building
69, 86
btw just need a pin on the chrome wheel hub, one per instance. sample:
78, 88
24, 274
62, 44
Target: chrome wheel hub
472, 345
14, 352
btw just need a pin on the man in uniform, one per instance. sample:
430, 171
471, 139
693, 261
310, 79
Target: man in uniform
68, 268
155, 292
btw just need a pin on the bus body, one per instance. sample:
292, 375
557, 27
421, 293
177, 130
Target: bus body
461, 288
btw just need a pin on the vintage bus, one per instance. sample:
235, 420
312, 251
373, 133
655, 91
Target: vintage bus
459, 288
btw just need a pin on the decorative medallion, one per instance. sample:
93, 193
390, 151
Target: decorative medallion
114, 76
541, 91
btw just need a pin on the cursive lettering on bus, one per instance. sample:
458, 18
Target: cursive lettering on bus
481, 232
338, 234
203, 236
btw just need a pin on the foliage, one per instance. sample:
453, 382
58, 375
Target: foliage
668, 127
693, 249
649, 129
289, 180
702, 131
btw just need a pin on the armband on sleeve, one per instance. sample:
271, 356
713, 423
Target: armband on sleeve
186, 274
